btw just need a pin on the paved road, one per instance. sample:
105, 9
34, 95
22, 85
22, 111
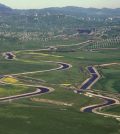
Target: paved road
81, 43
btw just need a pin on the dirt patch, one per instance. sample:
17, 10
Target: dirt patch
51, 102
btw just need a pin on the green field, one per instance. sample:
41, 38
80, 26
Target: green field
113, 110
27, 116
39, 96
17, 66
108, 43
17, 119
9, 90
5, 45
110, 79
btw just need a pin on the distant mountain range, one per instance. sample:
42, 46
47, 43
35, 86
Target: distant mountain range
5, 9
77, 11
70, 10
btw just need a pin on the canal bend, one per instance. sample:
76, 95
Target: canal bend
95, 76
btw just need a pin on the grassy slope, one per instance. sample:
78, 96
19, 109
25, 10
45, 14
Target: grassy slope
15, 119
8, 45
10, 67
8, 90
110, 83
113, 110
25, 116
110, 79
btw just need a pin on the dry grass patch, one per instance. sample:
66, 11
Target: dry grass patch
51, 102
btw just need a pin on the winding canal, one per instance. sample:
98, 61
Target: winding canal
107, 101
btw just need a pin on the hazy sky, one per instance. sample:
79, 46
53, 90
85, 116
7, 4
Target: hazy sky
60, 3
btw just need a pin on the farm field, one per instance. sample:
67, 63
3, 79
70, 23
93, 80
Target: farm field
105, 44
110, 79
113, 110
60, 67
30, 116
